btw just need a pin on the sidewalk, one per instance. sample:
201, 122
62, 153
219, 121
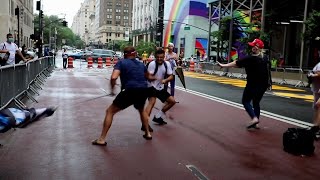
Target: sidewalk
277, 77
215, 141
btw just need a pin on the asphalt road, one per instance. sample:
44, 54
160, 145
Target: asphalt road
289, 107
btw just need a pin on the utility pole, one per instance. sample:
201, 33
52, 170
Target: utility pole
17, 13
40, 36
209, 37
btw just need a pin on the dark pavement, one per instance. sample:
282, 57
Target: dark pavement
201, 132
290, 107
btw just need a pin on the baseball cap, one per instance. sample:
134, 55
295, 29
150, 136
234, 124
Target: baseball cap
257, 42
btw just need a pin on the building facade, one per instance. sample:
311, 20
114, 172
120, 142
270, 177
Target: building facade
112, 21
144, 20
186, 25
9, 21
81, 24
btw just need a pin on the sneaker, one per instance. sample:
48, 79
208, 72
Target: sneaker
159, 120
143, 129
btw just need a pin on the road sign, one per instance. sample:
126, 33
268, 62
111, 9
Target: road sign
187, 28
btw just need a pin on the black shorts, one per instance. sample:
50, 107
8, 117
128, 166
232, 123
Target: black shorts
162, 95
128, 97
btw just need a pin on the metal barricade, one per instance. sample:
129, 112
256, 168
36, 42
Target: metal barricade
23, 80
301, 73
283, 77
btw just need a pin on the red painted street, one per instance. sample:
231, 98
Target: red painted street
201, 132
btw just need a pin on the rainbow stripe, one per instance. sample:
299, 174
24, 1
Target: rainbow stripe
179, 10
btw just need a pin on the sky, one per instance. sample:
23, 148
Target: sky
61, 8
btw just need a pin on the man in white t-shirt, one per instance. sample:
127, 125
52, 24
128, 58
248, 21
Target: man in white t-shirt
12, 48
162, 71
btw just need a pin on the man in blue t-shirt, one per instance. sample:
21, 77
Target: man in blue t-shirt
134, 91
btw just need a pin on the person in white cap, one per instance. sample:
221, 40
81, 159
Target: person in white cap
257, 67
172, 57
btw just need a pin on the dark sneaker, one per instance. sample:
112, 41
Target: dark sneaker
143, 129
159, 120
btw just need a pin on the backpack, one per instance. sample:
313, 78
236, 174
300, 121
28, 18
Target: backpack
298, 141
156, 69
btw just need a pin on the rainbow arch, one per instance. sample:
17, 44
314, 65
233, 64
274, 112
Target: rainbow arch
179, 11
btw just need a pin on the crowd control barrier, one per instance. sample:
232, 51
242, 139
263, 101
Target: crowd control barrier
283, 74
23, 80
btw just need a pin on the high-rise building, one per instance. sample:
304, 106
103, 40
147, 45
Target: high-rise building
9, 21
144, 20
81, 24
112, 21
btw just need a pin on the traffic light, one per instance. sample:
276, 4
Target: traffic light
16, 11
38, 6
41, 14
160, 25
65, 23
32, 36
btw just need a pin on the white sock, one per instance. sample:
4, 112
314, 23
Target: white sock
160, 114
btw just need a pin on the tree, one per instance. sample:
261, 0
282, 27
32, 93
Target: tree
145, 46
52, 23
312, 26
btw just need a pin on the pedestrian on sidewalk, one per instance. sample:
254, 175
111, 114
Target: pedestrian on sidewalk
257, 69
65, 58
162, 71
172, 58
11, 49
315, 76
134, 91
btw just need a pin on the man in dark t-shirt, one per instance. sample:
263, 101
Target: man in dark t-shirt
257, 68
134, 91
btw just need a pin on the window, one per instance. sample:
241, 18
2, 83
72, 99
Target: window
109, 22
125, 5
118, 4
109, 10
118, 17
126, 10
118, 22
109, 16
125, 17
118, 10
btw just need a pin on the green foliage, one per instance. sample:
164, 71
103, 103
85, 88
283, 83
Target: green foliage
50, 23
120, 45
145, 46
313, 25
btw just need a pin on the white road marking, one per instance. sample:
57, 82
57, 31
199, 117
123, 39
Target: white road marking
278, 117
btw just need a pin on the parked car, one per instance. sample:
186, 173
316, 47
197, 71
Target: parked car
103, 53
75, 55
86, 54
